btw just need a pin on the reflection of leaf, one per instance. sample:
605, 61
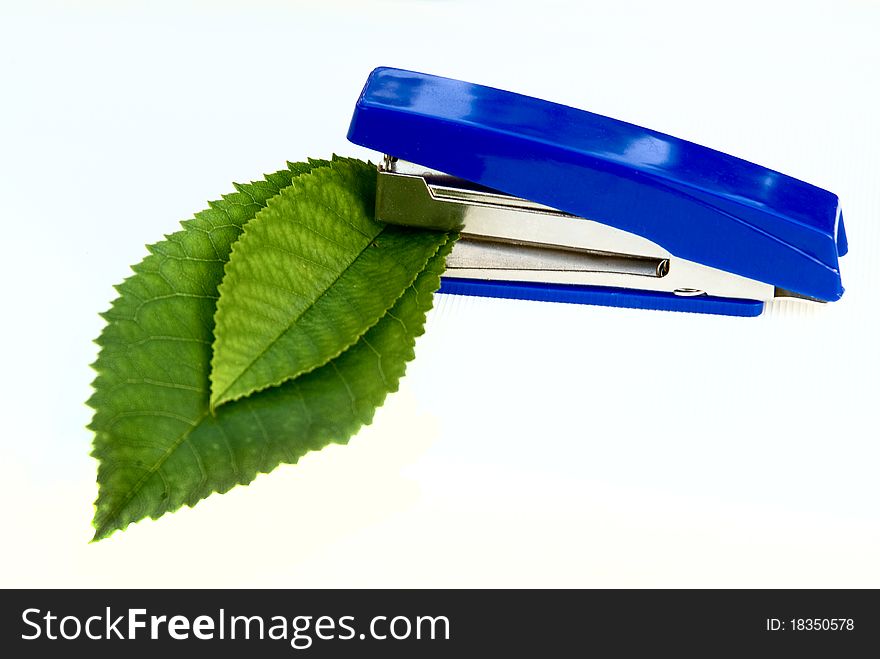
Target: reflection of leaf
158, 445
311, 274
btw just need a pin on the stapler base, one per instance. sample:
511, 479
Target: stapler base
600, 295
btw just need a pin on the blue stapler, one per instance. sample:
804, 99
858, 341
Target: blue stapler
559, 204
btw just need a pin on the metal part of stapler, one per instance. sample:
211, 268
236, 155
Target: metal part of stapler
560, 204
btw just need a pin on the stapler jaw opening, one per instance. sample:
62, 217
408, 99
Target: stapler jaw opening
509, 239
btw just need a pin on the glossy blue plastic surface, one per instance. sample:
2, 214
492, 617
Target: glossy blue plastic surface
700, 204
600, 295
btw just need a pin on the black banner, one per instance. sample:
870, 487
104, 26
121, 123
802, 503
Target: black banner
417, 623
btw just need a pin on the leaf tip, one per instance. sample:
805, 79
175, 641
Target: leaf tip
103, 529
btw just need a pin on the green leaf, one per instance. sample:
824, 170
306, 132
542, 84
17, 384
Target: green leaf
158, 445
156, 348
311, 274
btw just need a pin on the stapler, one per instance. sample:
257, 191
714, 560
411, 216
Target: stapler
559, 204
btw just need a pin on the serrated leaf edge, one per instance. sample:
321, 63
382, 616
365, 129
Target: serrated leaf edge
106, 529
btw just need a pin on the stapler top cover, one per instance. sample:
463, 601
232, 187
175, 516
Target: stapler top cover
695, 202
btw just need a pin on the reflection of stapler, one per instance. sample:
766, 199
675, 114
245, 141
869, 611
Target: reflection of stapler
559, 204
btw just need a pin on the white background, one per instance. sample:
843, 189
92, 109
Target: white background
531, 444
